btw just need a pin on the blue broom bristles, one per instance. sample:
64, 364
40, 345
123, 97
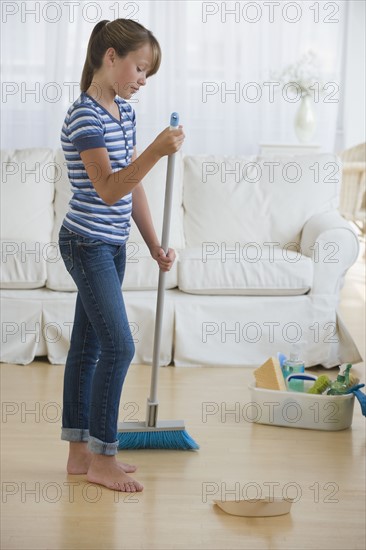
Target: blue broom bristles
164, 439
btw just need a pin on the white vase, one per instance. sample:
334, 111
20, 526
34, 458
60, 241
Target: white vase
305, 121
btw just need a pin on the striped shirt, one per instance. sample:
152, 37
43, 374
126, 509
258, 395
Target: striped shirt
88, 125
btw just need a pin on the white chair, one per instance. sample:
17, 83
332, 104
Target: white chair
352, 200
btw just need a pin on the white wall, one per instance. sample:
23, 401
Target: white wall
354, 97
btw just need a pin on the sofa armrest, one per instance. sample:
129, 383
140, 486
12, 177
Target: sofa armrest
330, 241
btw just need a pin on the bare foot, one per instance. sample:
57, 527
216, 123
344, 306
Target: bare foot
80, 458
105, 470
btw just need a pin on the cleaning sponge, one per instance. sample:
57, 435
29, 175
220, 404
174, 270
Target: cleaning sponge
269, 375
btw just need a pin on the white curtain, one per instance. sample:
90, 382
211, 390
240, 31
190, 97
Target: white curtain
216, 57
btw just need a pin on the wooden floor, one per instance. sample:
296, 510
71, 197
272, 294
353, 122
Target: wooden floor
43, 507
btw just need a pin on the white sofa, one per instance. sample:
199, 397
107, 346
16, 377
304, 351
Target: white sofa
262, 256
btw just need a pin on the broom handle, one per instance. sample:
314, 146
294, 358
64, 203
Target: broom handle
174, 121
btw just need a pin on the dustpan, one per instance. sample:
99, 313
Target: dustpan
262, 507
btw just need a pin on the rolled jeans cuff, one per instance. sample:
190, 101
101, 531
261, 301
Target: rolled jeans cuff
74, 434
101, 448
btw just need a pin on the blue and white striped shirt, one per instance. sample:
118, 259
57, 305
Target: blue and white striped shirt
88, 125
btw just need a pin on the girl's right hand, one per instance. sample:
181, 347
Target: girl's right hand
169, 141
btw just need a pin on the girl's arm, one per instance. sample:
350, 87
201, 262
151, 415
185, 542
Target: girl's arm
112, 186
142, 217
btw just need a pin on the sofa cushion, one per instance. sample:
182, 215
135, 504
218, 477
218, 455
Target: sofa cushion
27, 193
23, 264
141, 270
237, 199
57, 276
244, 270
154, 185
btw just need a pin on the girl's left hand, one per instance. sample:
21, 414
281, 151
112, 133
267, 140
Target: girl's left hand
165, 262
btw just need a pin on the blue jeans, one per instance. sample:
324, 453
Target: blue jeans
101, 347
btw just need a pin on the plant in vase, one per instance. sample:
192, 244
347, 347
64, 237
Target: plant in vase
305, 79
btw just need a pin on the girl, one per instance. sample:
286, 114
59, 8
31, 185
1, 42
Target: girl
99, 142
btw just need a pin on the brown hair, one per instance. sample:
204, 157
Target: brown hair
124, 35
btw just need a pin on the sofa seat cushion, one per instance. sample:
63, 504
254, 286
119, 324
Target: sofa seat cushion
246, 270
141, 271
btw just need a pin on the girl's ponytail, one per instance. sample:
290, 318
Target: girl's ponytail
89, 65
124, 35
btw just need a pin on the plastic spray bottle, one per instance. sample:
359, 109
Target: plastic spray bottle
341, 384
294, 365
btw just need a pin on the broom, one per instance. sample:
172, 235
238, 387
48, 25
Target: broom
154, 434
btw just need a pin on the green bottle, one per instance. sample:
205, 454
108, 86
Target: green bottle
341, 384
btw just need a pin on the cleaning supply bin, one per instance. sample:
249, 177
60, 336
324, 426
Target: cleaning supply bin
301, 410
